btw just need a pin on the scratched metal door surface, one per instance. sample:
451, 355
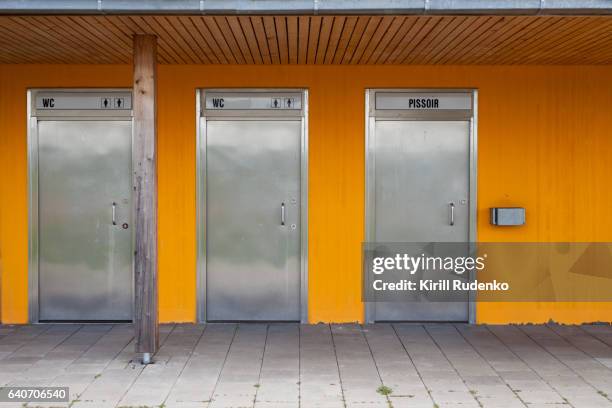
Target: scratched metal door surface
421, 168
253, 220
85, 261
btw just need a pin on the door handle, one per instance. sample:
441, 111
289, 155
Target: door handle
114, 213
452, 213
282, 213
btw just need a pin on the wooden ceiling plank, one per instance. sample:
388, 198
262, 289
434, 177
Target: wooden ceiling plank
525, 39
324, 36
577, 38
128, 31
513, 37
415, 54
220, 44
334, 39
249, 35
86, 36
303, 30
504, 37
470, 31
548, 38
114, 37
207, 39
262, 41
38, 43
411, 26
174, 41
478, 44
599, 52
366, 38
117, 34
138, 25
313, 39
292, 39
9, 55
280, 23
230, 40
483, 25
356, 35
387, 39
381, 36
195, 32
599, 48
16, 52
595, 53
12, 51
454, 37
63, 39
142, 27
185, 43
270, 31
345, 37
592, 52
58, 40
439, 34
415, 37
100, 35
238, 33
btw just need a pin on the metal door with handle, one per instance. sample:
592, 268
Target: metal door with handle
252, 202
84, 215
419, 166
253, 220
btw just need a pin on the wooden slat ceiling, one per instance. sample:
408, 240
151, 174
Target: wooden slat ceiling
557, 40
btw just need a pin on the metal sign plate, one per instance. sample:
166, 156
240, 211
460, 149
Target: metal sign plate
423, 101
253, 101
104, 101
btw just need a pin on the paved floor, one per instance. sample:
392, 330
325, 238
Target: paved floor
288, 365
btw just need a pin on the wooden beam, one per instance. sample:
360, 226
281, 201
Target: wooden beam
145, 194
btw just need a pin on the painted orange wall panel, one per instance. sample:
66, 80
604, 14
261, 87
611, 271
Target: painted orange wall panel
544, 143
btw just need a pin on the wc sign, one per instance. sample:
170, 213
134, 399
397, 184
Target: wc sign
48, 102
83, 101
252, 101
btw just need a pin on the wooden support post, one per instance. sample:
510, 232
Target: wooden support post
144, 106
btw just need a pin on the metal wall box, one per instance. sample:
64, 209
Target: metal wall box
508, 216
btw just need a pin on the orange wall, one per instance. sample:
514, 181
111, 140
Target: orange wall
545, 142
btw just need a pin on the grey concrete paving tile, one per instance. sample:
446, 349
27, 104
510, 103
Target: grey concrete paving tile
280, 371
497, 402
241, 370
186, 405
155, 382
287, 365
108, 389
584, 366
410, 401
602, 332
197, 381
319, 376
322, 404
548, 367
394, 365
438, 374
358, 371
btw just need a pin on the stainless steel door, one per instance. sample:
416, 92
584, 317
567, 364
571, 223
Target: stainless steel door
84, 184
421, 169
253, 220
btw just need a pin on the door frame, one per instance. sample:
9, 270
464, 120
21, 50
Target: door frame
201, 175
33, 117
370, 192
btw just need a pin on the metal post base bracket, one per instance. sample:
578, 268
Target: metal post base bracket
147, 358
